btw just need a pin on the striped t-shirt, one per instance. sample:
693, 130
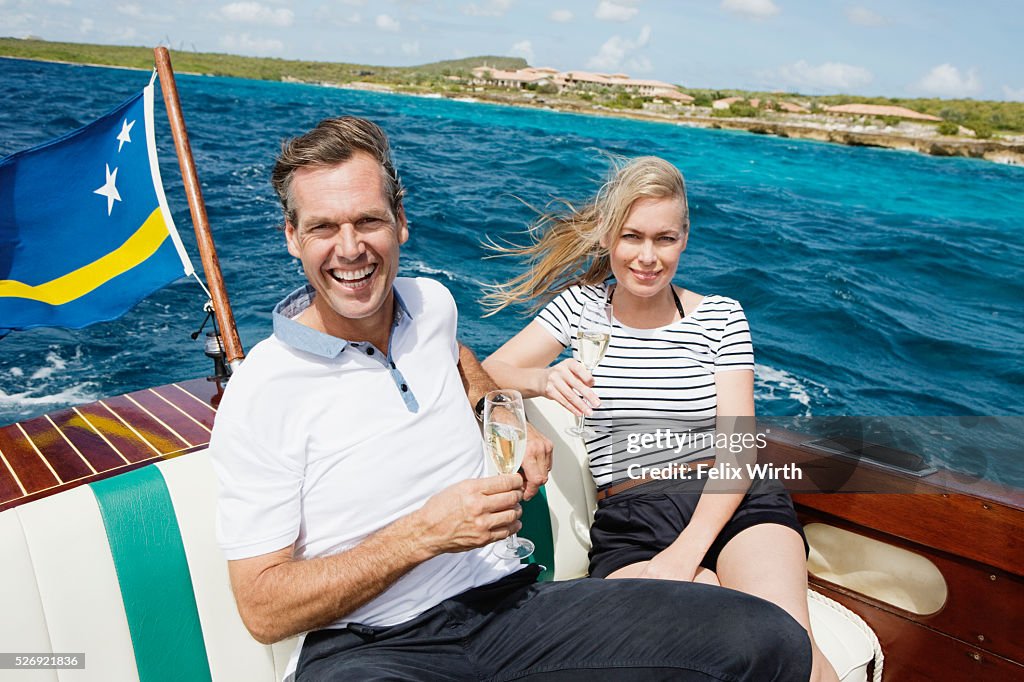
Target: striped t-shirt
654, 381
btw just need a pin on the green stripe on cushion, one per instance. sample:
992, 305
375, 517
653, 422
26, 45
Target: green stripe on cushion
537, 527
152, 570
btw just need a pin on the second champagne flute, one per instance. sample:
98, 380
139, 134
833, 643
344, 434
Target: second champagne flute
595, 330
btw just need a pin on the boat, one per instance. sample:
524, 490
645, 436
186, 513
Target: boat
112, 570
106, 516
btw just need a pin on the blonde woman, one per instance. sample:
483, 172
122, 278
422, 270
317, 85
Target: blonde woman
675, 358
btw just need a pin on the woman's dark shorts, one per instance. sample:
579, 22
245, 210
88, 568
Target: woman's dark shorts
636, 524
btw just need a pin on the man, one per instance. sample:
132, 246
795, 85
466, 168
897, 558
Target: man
354, 504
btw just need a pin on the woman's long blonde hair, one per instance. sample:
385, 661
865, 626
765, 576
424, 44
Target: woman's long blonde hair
565, 246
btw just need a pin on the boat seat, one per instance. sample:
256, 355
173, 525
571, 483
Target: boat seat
128, 572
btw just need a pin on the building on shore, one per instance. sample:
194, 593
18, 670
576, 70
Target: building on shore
578, 81
880, 110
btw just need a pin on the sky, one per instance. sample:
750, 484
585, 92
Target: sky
895, 48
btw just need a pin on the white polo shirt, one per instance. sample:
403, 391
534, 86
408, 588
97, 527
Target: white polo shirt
321, 442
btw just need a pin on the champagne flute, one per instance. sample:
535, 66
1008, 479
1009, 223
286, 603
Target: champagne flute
505, 438
595, 330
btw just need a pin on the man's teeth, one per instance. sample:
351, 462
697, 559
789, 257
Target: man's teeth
353, 275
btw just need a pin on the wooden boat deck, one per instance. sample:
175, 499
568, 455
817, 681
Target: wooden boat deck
63, 449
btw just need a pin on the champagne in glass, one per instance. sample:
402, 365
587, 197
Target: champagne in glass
595, 330
505, 439
507, 445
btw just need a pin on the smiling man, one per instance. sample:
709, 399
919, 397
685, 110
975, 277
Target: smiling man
354, 504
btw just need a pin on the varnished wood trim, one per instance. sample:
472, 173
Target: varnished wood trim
41, 456
101, 435
10, 469
198, 423
195, 398
130, 427
70, 444
159, 421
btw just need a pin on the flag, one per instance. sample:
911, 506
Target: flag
85, 232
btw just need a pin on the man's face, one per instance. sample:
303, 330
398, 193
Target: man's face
347, 238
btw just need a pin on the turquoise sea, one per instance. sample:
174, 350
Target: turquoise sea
876, 282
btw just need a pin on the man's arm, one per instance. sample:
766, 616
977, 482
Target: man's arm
537, 460
279, 596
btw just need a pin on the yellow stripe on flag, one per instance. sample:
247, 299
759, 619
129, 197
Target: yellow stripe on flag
77, 283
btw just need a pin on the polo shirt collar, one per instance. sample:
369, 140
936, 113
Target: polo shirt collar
301, 337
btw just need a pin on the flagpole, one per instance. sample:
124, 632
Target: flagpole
204, 238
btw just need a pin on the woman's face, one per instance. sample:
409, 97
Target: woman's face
646, 253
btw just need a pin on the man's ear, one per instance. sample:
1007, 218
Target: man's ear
401, 224
291, 239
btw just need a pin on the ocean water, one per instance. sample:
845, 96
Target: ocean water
876, 282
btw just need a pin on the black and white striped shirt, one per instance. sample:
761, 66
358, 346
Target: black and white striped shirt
653, 379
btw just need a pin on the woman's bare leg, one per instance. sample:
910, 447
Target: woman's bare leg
768, 561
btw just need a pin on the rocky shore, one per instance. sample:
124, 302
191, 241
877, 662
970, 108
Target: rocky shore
905, 136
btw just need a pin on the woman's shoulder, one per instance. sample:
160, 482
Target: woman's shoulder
578, 294
719, 302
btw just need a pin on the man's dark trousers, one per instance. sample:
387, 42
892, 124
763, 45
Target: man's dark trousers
588, 629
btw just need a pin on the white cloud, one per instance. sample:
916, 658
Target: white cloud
524, 49
325, 14
490, 8
640, 64
945, 80
247, 43
616, 49
86, 25
386, 23
611, 10
751, 9
353, 3
255, 13
411, 49
130, 10
862, 16
828, 76
561, 16
1013, 95
59, 3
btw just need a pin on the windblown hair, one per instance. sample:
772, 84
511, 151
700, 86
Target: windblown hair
334, 141
565, 247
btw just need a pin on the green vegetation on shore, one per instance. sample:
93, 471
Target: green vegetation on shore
260, 68
984, 117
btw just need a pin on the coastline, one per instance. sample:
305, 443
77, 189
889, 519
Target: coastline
832, 130
905, 136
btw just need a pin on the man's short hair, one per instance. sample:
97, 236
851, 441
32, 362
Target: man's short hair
334, 141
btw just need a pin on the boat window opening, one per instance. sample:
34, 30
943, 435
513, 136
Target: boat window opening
875, 569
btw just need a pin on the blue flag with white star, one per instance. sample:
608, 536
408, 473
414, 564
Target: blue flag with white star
85, 232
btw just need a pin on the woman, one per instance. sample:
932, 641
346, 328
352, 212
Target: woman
676, 358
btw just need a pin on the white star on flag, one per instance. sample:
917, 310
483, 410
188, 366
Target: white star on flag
124, 136
109, 189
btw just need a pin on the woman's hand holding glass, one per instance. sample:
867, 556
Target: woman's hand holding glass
569, 384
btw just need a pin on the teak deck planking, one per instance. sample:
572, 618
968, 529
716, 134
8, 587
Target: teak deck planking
44, 455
